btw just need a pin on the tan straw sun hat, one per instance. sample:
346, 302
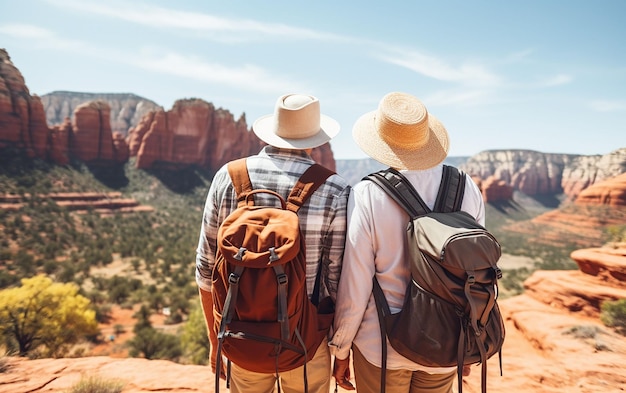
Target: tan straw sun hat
296, 123
402, 134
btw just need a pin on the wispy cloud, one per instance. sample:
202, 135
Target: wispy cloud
41, 37
557, 80
247, 77
608, 105
217, 27
518, 56
466, 98
467, 74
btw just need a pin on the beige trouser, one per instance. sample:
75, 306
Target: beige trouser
317, 369
367, 377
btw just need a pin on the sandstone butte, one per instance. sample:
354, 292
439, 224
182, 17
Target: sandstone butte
192, 133
555, 342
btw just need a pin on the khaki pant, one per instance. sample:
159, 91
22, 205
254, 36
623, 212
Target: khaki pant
367, 378
318, 376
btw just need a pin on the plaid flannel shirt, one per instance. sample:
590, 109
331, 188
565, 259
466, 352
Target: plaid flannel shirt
322, 217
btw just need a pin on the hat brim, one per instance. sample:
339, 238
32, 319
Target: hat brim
427, 156
263, 127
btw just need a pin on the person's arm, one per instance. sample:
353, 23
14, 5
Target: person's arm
205, 259
355, 286
335, 242
206, 299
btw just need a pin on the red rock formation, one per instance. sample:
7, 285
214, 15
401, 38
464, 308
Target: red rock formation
101, 203
59, 143
601, 278
611, 192
193, 132
121, 153
22, 118
496, 190
92, 139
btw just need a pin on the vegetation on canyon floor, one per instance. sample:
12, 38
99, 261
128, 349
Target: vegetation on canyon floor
157, 249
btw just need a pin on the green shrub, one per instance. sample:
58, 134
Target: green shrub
94, 384
613, 314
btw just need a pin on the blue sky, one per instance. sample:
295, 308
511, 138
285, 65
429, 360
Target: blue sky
546, 75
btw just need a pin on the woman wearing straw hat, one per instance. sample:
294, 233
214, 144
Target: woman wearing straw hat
403, 135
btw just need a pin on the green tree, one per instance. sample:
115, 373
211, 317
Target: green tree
194, 337
42, 313
153, 344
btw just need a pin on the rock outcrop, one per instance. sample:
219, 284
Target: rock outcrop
108, 129
99, 202
601, 277
528, 171
92, 139
493, 189
587, 170
554, 343
195, 133
535, 173
610, 192
22, 120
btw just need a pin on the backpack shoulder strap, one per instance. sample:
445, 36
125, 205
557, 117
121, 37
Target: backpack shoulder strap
238, 172
306, 185
398, 187
451, 190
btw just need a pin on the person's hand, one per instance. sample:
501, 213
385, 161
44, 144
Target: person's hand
466, 370
341, 372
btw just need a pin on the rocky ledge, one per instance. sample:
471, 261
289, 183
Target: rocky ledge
555, 342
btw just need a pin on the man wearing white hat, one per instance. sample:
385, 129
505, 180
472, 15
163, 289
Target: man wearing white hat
403, 135
291, 132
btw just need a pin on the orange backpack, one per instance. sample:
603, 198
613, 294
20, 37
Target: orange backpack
264, 320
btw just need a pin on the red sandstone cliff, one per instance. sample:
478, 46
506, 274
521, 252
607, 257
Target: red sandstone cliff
22, 119
194, 132
610, 192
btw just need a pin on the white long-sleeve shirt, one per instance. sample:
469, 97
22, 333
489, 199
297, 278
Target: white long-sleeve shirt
375, 245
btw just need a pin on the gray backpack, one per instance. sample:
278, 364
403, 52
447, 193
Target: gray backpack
450, 316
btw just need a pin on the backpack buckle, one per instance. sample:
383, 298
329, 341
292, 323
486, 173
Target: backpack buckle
282, 278
233, 278
471, 279
239, 255
498, 272
273, 255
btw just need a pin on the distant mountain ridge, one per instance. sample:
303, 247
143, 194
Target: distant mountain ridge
528, 171
127, 109
354, 169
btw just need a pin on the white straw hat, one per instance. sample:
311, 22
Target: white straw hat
296, 123
402, 134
